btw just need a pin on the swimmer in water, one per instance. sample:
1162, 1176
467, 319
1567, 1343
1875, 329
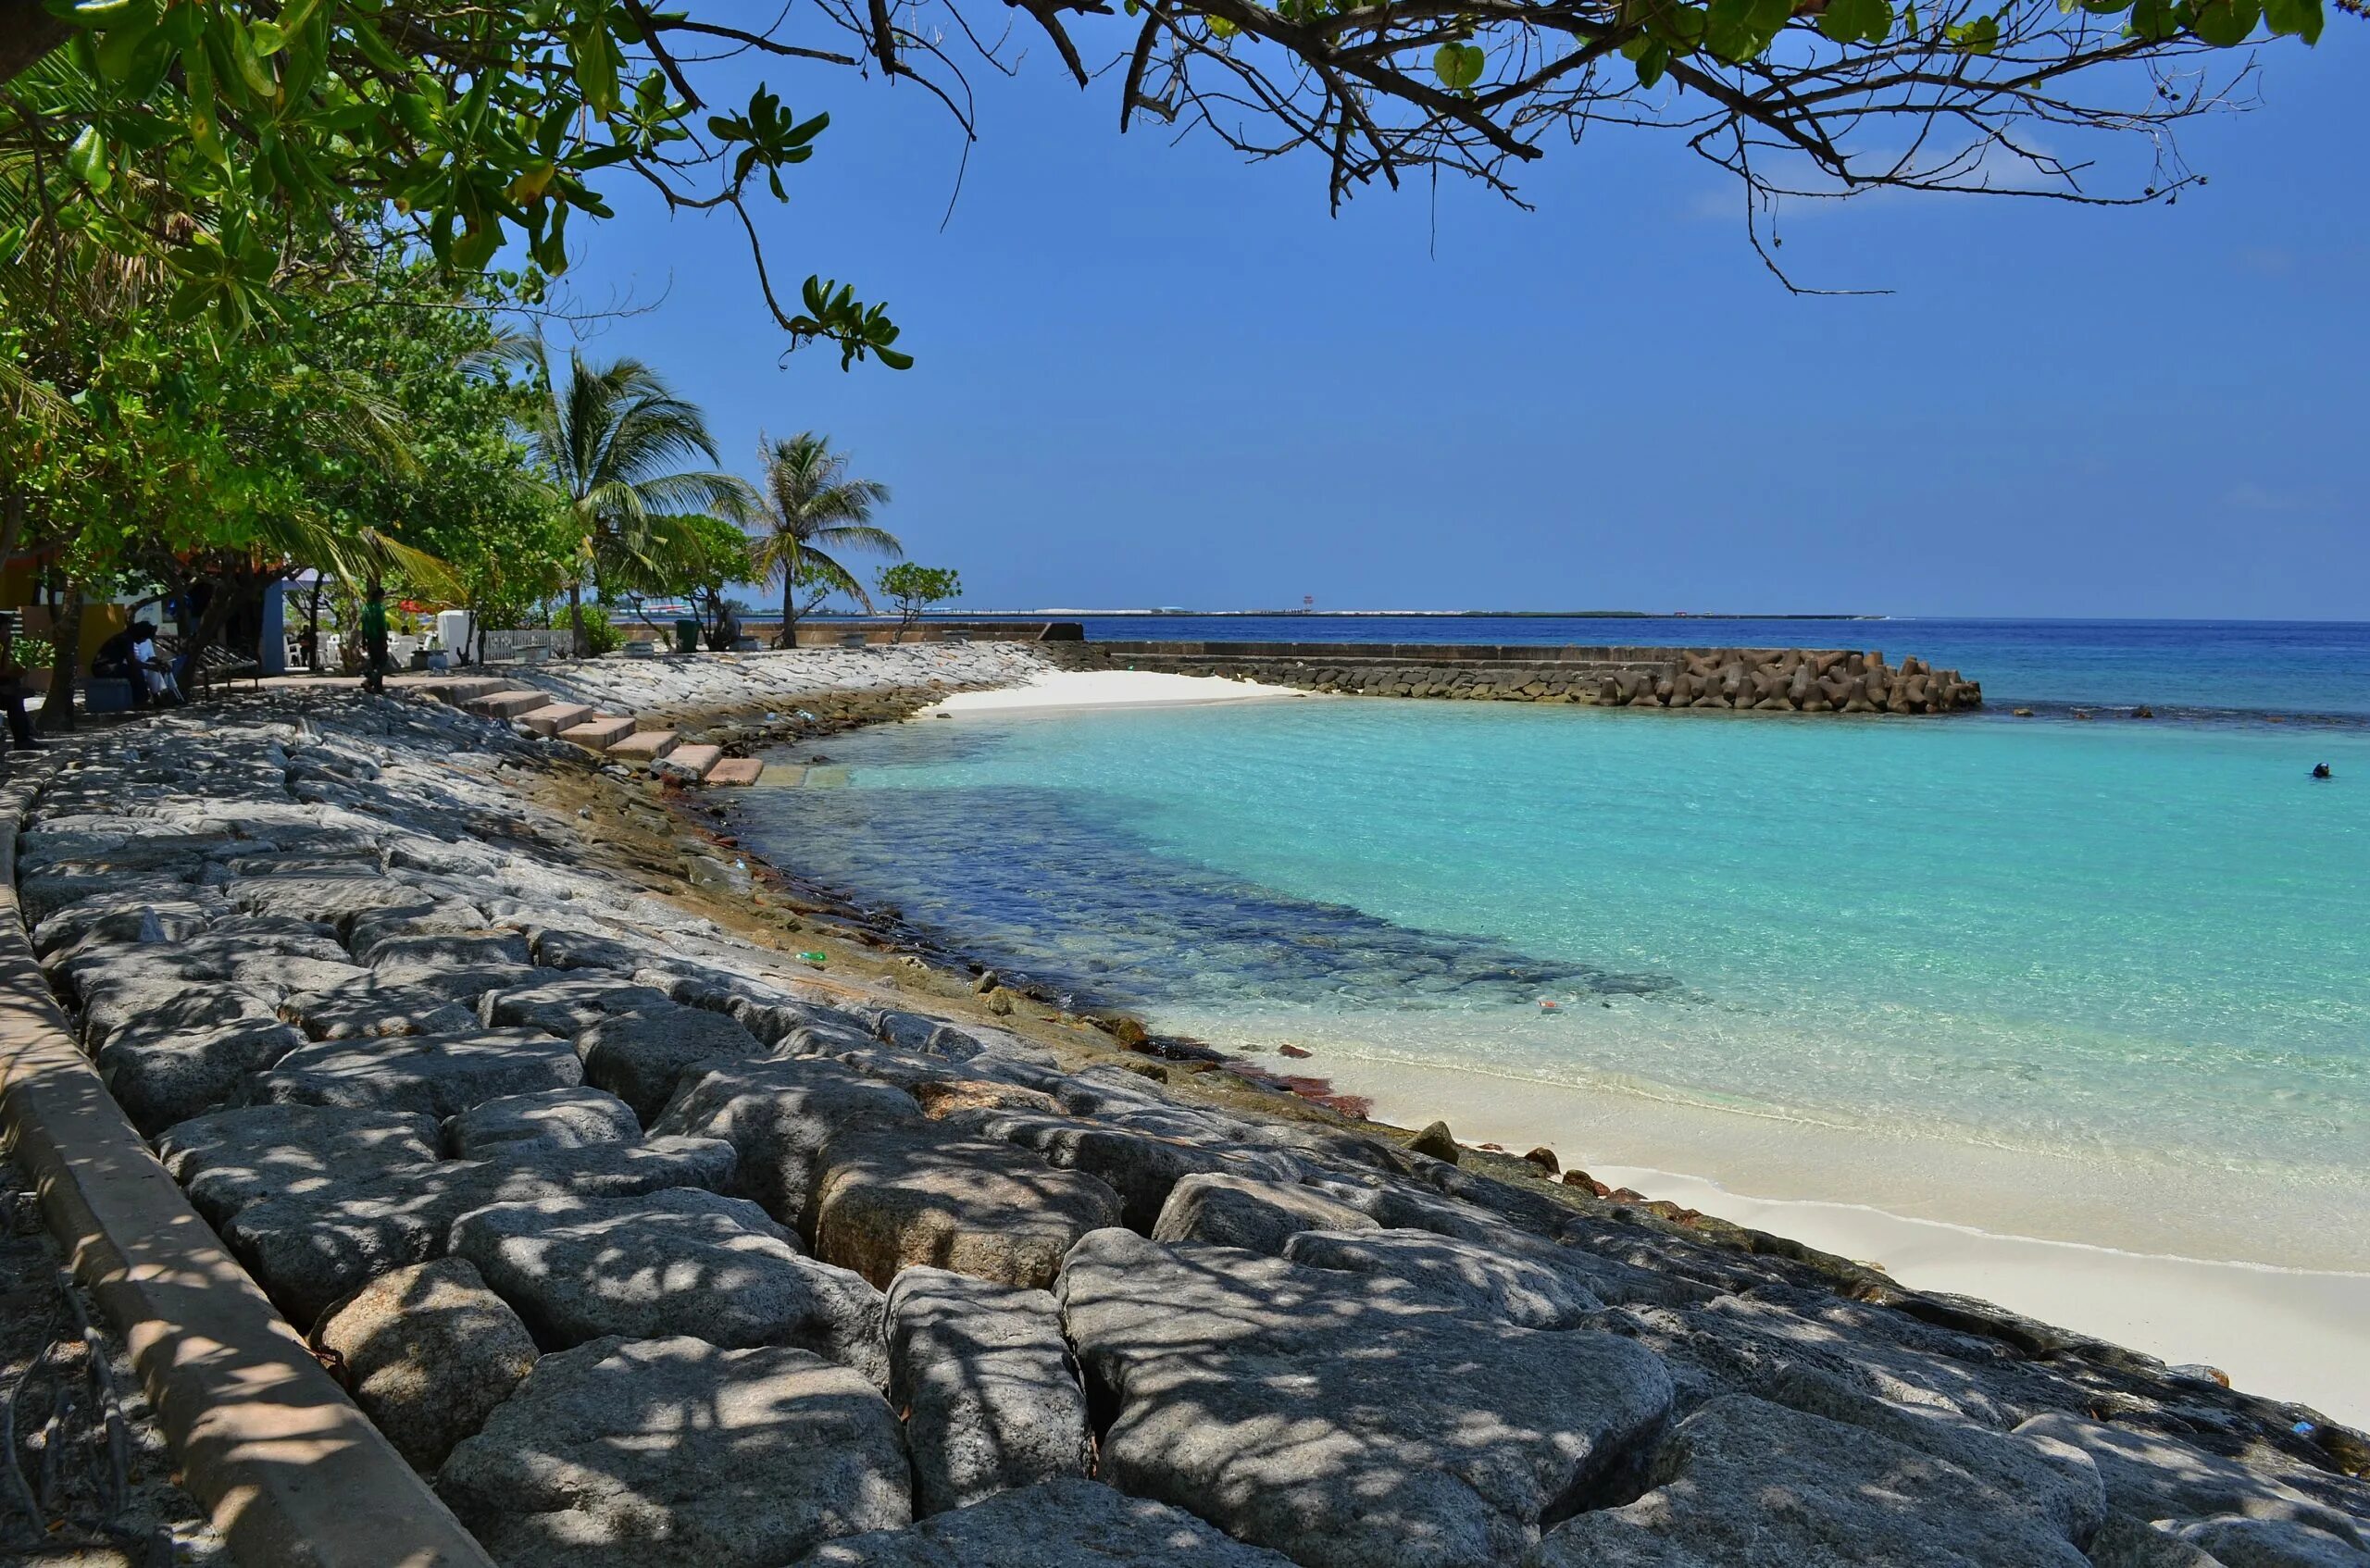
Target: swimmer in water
2321, 770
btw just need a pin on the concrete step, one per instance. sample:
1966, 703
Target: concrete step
509, 704
691, 762
736, 772
554, 717
599, 732
643, 745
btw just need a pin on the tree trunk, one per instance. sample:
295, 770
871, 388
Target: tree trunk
66, 635
576, 617
789, 638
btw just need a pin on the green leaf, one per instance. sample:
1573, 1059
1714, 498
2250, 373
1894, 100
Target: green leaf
1458, 65
2225, 23
2152, 20
1653, 63
87, 160
2295, 18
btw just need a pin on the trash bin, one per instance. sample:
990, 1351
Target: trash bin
687, 636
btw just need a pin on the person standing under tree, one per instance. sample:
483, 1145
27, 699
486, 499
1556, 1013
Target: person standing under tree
12, 687
374, 638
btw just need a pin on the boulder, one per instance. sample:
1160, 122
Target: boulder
1326, 1416
367, 1009
887, 1196
679, 1262
991, 1393
776, 1114
227, 1160
438, 1076
1457, 1275
1141, 1167
312, 1248
639, 1056
2269, 1543
1438, 1142
2150, 1476
1057, 1525
567, 1006
677, 1453
398, 957
2126, 1542
159, 1081
554, 1118
1228, 1211
428, 1351
151, 1004
1744, 1481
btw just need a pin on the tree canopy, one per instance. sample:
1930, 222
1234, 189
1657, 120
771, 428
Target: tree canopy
476, 125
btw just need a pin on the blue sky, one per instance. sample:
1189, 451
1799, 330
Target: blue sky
1150, 373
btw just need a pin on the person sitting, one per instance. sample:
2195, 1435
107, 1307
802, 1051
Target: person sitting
130, 656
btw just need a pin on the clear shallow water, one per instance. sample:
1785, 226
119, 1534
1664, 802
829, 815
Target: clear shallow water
2146, 946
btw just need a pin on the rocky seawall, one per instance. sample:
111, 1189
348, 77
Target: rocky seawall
1807, 681
675, 1232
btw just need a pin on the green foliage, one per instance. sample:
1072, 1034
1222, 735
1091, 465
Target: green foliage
915, 588
474, 126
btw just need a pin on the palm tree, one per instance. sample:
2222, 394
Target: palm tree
614, 441
810, 508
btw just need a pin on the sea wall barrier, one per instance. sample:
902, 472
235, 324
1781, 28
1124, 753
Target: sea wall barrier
1810, 681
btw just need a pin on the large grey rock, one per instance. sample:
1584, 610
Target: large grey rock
1230, 1211
567, 1006
431, 952
1057, 1525
2126, 1542
676, 1262
991, 1392
1326, 1415
229, 1159
119, 917
154, 1004
2270, 1543
1457, 1275
162, 1080
1744, 1481
887, 1196
640, 1057
674, 1453
1143, 1168
2152, 1476
555, 1118
428, 1352
367, 1009
776, 1114
438, 1076
309, 1249
560, 947
2054, 1481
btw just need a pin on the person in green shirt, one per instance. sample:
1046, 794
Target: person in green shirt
374, 639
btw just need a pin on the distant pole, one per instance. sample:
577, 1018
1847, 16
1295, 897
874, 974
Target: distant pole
1307, 603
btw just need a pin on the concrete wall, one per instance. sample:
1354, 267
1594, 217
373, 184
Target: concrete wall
1767, 679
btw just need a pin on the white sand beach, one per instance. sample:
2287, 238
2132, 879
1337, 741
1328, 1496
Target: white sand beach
1051, 688
2301, 1334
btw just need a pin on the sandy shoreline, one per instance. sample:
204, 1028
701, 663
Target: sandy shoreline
2291, 1333
1064, 689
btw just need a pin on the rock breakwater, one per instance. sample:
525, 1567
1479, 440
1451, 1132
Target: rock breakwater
1158, 1320
1807, 681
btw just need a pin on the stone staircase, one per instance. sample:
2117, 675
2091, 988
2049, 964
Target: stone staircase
616, 736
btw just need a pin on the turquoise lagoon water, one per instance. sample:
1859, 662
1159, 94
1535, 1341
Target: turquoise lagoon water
2145, 947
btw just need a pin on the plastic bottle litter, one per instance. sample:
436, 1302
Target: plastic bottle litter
816, 959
